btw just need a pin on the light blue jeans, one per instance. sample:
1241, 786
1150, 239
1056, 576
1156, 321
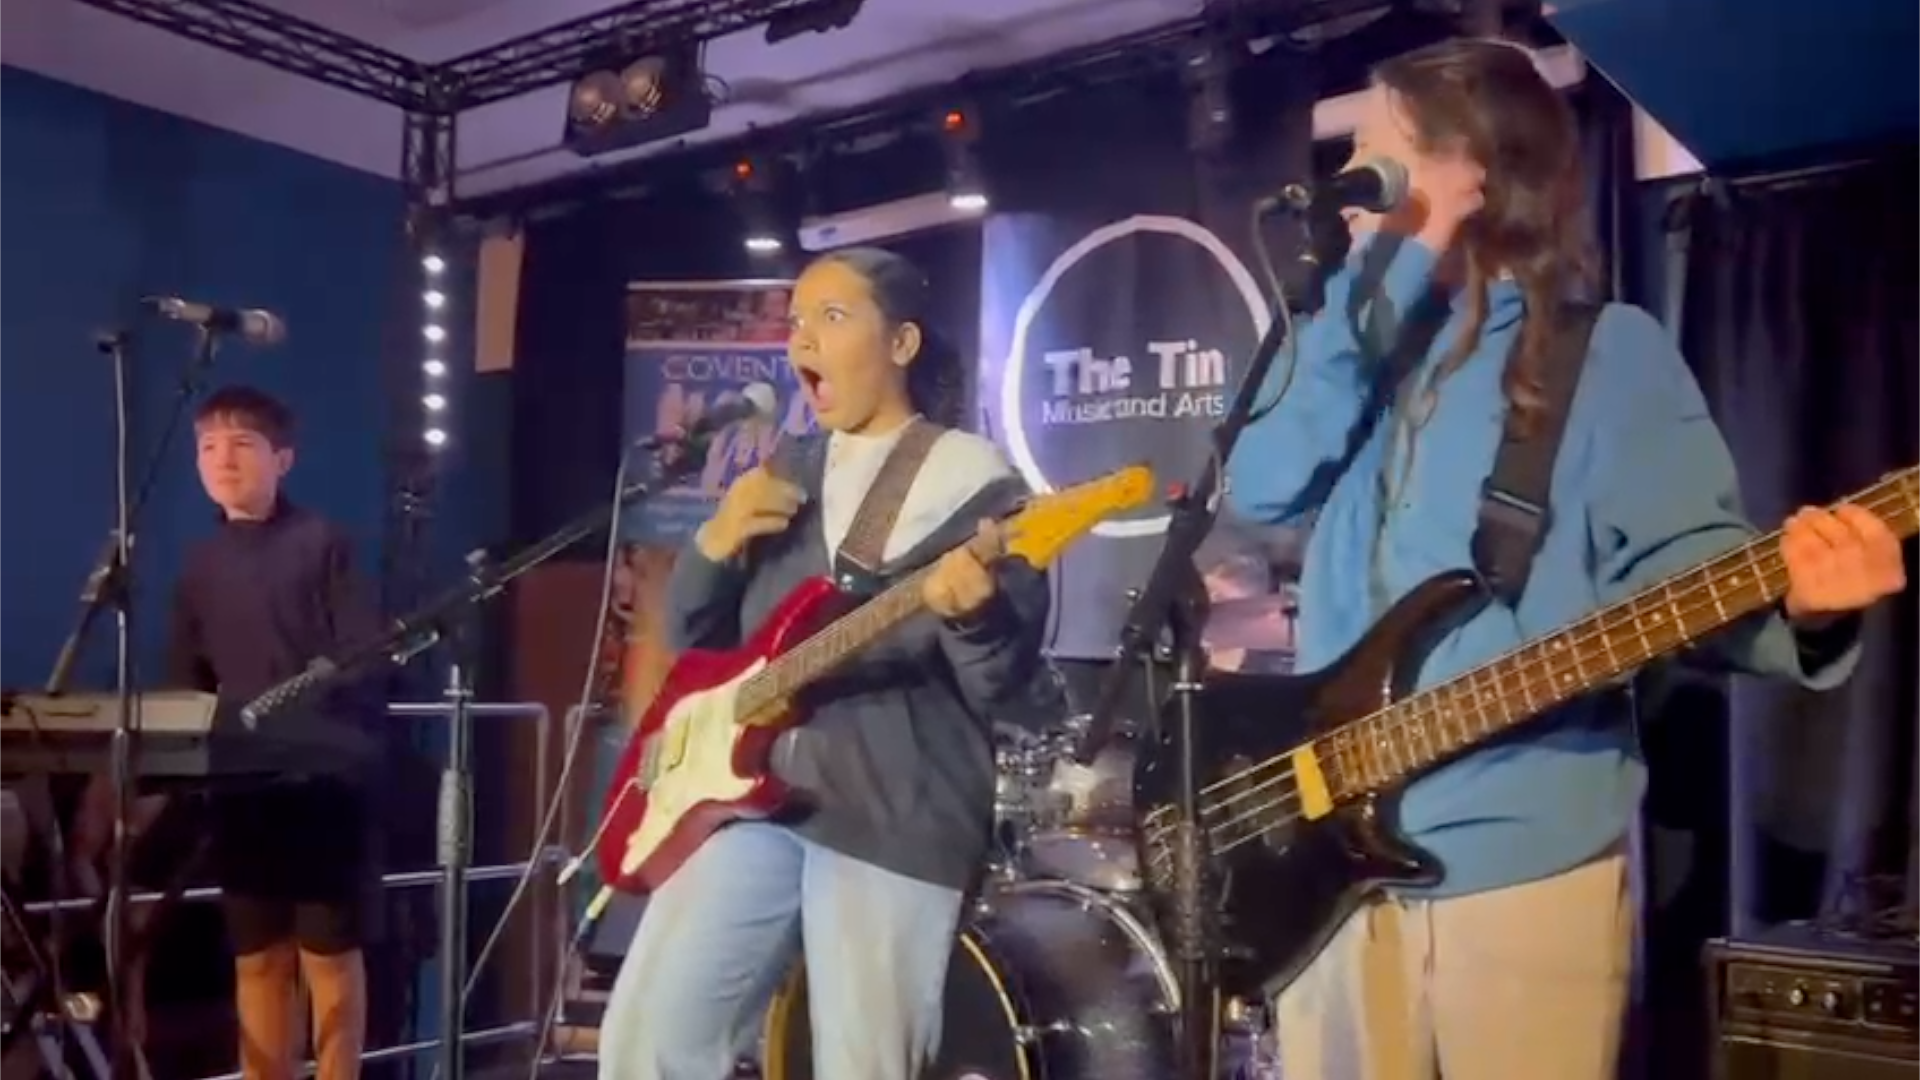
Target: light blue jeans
718, 939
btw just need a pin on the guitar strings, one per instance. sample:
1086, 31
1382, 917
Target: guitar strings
1289, 802
1769, 574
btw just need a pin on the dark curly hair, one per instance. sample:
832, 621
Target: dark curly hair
936, 382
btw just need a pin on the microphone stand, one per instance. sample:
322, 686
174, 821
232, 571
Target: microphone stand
110, 584
441, 619
1172, 606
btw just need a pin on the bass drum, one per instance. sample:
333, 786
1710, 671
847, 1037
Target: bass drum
1050, 981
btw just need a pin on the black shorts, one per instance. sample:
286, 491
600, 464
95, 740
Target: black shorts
296, 865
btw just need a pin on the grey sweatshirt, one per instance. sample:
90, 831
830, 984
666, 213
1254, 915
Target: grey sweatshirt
894, 763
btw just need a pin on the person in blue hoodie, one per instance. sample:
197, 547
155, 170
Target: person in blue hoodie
1517, 964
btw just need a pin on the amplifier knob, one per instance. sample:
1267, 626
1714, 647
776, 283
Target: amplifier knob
1830, 1001
1798, 996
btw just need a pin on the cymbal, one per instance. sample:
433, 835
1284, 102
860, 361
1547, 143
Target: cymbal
1261, 623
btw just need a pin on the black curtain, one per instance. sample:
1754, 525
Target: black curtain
1798, 315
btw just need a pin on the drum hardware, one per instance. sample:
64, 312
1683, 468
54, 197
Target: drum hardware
1172, 610
1255, 623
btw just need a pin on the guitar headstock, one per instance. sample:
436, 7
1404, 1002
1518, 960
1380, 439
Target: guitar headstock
1048, 523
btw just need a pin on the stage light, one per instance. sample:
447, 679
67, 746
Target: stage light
959, 130
433, 327
595, 100
752, 186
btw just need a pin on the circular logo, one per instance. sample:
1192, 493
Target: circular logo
1092, 385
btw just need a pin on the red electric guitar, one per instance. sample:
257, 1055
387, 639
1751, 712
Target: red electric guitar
699, 758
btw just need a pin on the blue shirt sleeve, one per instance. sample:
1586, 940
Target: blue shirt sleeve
1285, 464
1665, 496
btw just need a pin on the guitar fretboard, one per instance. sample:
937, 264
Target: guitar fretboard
1429, 727
832, 645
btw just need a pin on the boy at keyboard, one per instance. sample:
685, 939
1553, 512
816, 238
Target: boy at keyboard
272, 589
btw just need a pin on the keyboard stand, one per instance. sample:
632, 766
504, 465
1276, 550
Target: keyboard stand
81, 1020
30, 1012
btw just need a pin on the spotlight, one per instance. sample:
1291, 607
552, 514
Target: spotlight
434, 369
433, 264
643, 86
959, 130
434, 402
436, 438
753, 193
434, 299
595, 101
434, 332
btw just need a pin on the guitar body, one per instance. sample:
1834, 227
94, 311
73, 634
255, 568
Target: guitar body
701, 756
694, 764
1281, 897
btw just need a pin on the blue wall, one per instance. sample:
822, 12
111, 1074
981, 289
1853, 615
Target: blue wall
106, 202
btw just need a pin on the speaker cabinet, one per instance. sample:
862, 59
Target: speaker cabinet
1798, 1004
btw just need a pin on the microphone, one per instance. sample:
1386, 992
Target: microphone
756, 402
1377, 186
256, 326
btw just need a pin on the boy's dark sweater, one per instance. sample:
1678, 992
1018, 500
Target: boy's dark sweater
255, 604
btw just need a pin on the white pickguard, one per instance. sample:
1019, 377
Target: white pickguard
695, 764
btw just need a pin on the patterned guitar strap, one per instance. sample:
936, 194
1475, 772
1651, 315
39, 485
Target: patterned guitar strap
857, 564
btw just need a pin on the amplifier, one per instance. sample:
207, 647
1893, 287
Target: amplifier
1795, 1003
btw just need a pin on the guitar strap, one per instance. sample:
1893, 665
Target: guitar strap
1514, 504
864, 549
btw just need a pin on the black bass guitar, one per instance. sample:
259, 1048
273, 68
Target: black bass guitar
1299, 773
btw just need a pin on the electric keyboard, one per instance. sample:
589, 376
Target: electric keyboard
179, 738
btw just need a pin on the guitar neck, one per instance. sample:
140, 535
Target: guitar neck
833, 645
1399, 741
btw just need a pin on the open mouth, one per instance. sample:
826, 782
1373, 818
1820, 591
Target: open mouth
815, 386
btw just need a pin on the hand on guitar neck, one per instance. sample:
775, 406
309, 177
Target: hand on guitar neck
757, 504
961, 583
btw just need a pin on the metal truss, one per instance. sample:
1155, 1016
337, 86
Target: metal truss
282, 41
427, 164
509, 69
565, 52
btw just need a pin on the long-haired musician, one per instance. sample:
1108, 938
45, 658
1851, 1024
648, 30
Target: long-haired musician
895, 761
1517, 964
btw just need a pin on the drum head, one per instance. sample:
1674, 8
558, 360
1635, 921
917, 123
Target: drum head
1051, 981
978, 1040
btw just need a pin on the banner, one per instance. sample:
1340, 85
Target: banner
692, 346
1108, 342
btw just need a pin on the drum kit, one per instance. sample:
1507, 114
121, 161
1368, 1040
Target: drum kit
1059, 973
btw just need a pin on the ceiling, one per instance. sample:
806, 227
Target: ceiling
894, 45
